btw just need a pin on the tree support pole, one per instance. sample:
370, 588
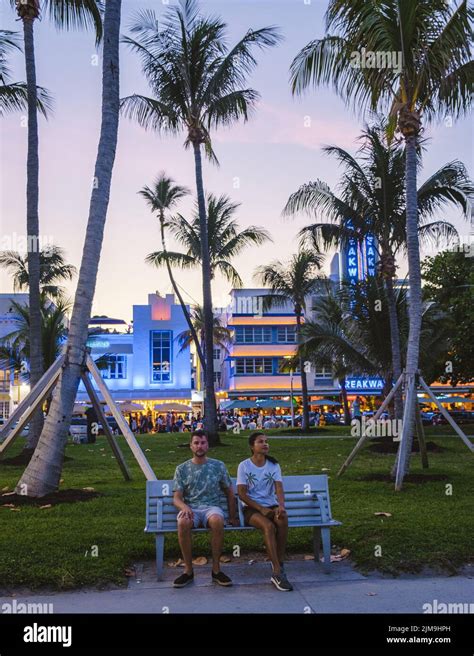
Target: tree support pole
364, 438
107, 431
123, 425
29, 405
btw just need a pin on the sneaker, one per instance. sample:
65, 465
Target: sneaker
221, 579
183, 580
281, 582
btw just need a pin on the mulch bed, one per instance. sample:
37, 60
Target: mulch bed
388, 446
54, 499
409, 478
23, 459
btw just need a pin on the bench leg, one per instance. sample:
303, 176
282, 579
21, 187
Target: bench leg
316, 543
326, 535
160, 549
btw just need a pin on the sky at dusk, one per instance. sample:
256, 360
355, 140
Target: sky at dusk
261, 162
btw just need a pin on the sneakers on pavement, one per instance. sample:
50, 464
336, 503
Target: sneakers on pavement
281, 582
183, 580
221, 579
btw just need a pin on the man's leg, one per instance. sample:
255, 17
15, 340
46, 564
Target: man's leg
216, 524
185, 542
268, 529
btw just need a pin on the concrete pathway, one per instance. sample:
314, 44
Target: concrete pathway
342, 591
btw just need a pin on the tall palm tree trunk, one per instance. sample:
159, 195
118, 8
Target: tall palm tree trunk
395, 345
210, 412
180, 298
32, 227
345, 401
415, 304
44, 470
304, 382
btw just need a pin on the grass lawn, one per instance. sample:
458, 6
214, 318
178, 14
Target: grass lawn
52, 546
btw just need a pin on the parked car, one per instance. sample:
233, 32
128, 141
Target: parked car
427, 418
459, 416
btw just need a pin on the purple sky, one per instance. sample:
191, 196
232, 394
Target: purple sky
261, 162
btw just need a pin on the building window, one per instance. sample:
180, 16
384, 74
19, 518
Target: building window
322, 372
253, 366
253, 334
286, 334
217, 377
216, 354
116, 367
4, 409
285, 368
4, 380
161, 356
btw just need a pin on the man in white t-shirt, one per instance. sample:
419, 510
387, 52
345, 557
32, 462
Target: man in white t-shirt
260, 488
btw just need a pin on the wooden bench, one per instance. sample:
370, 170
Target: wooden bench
306, 500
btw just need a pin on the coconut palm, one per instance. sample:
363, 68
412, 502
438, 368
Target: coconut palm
293, 283
348, 331
53, 270
13, 95
226, 239
431, 80
221, 336
162, 197
64, 14
371, 201
15, 346
198, 83
44, 470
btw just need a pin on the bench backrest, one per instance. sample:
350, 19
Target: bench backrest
306, 500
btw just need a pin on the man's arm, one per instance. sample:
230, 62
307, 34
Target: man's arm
231, 504
181, 505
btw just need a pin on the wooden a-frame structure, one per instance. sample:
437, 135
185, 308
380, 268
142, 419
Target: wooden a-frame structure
23, 413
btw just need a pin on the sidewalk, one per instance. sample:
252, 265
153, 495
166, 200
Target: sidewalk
342, 591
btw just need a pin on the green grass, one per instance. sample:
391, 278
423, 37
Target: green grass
48, 547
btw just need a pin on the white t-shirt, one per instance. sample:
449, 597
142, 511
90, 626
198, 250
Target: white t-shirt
260, 481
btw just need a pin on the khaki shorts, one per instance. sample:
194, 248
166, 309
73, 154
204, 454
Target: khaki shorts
248, 512
201, 515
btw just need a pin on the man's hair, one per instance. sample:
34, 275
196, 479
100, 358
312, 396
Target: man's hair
198, 433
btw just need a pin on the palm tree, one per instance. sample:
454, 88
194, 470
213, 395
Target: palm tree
292, 283
226, 240
64, 14
53, 270
371, 201
162, 197
431, 80
221, 336
13, 95
348, 331
15, 347
44, 470
197, 83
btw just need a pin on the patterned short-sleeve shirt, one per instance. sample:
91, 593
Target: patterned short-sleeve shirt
202, 485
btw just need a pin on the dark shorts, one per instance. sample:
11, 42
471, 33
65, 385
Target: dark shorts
248, 512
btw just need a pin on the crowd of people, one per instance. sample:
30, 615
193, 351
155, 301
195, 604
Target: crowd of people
170, 422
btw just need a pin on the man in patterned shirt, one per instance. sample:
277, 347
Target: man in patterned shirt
198, 487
